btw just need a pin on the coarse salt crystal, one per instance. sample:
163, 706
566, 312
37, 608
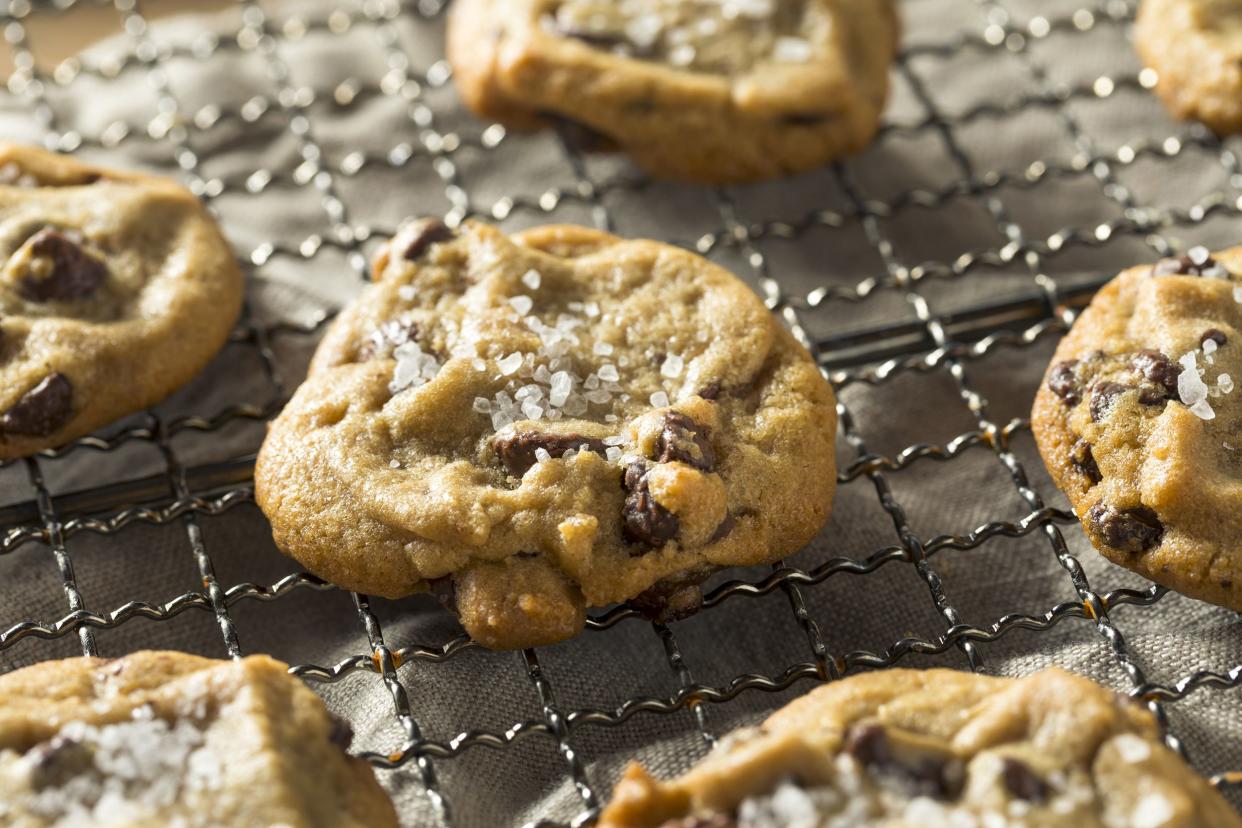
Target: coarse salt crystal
1199, 255
532, 279
522, 304
608, 373
614, 441
682, 55
644, 30
599, 396
659, 399
791, 50
1225, 383
613, 453
672, 367
394, 464
1191, 389
562, 385
591, 309
1237, 295
591, 382
604, 349
413, 368
407, 293
508, 365
542, 455
482, 405
532, 410
1209, 346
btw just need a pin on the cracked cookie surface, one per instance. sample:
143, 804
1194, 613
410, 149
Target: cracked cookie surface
706, 90
1195, 47
935, 749
536, 424
115, 289
167, 738
1139, 424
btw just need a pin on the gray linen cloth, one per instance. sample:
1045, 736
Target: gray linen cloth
329, 124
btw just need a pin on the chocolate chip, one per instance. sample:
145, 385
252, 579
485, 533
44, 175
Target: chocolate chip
685, 441
1021, 781
1158, 369
711, 391
1130, 530
1215, 335
672, 597
517, 450
1084, 461
341, 734
1063, 381
1183, 266
1103, 394
41, 410
645, 520
73, 273
921, 771
415, 238
724, 529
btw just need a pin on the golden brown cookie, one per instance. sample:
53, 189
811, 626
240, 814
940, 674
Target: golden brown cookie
115, 289
693, 89
1195, 46
536, 424
935, 749
1139, 424
166, 738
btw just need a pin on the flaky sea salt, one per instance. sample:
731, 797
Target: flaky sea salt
414, 367
510, 364
532, 279
659, 399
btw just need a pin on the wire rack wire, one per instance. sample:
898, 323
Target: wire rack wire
186, 493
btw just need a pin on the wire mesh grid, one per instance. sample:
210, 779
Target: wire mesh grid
915, 322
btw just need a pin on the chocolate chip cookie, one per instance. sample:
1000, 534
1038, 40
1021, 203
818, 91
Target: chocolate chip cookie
115, 289
935, 749
1195, 47
702, 90
164, 738
535, 424
1139, 425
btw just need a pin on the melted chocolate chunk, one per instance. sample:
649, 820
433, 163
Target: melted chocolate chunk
517, 450
724, 529
684, 441
711, 391
1063, 381
924, 773
415, 238
1215, 335
1084, 461
341, 734
41, 410
74, 273
1130, 530
806, 119
674, 597
1021, 781
645, 521
1103, 395
1183, 266
1157, 369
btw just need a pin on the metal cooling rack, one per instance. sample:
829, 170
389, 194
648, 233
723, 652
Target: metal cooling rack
186, 494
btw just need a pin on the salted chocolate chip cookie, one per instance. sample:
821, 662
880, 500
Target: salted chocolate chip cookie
706, 90
535, 424
165, 738
1139, 425
1195, 47
935, 749
115, 289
